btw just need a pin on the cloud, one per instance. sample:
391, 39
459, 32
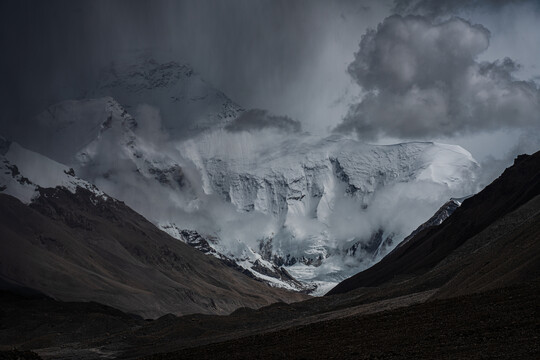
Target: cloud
257, 119
285, 56
443, 7
423, 79
149, 124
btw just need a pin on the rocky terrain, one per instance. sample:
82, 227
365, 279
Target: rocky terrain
498, 324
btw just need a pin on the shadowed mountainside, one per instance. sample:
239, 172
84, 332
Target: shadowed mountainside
74, 248
469, 224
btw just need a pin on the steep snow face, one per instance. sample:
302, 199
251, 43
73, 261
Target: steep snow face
24, 172
187, 103
302, 176
336, 205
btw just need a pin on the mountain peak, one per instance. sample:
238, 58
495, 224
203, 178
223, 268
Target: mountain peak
145, 74
74, 124
187, 103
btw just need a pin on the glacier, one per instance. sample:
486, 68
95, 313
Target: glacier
335, 205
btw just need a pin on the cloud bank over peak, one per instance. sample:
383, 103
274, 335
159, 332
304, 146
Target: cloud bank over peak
258, 119
423, 79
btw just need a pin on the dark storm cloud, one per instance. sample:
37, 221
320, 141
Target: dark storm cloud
423, 79
257, 119
54, 50
434, 8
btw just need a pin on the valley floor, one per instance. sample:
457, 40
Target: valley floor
499, 324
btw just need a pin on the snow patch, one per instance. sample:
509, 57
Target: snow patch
24, 172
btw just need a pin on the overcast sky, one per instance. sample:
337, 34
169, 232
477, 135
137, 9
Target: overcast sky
463, 72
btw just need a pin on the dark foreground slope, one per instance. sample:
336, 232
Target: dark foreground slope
496, 324
518, 185
75, 247
33, 321
499, 324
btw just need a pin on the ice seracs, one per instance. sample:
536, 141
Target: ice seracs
330, 201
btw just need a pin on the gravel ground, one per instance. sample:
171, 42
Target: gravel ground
500, 324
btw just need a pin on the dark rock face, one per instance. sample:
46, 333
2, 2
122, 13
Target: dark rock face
342, 176
373, 246
265, 249
168, 176
437, 219
70, 172
195, 240
157, 75
15, 173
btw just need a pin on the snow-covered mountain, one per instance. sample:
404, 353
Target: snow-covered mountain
187, 103
285, 207
334, 205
